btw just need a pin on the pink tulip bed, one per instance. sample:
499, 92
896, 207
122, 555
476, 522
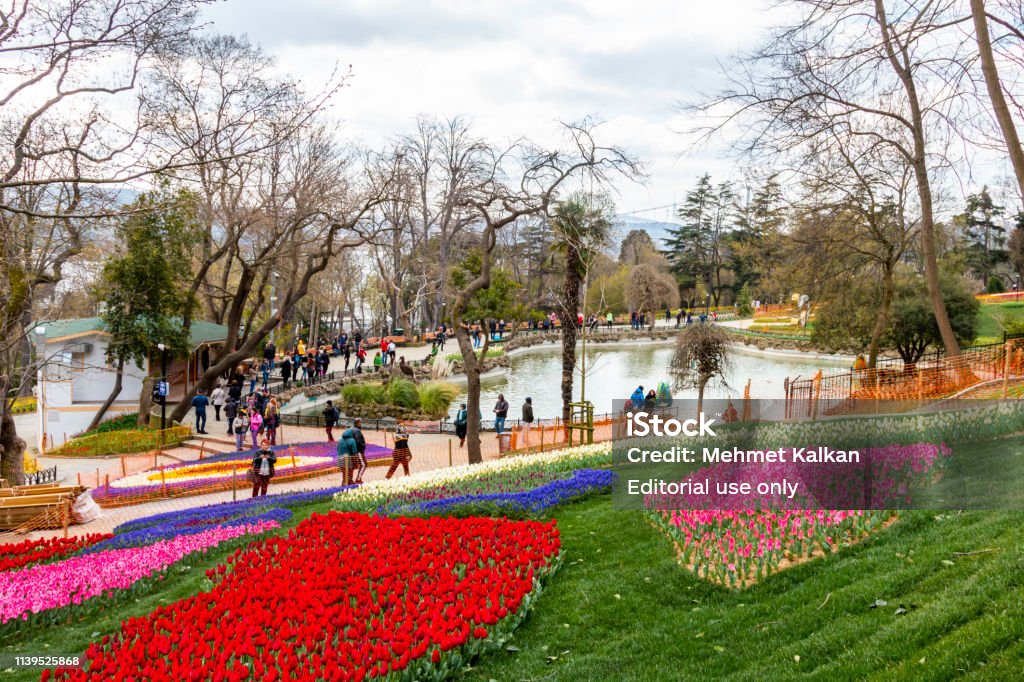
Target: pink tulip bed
753, 536
75, 580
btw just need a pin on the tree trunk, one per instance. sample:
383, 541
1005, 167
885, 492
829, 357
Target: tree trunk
924, 192
995, 91
12, 448
472, 369
569, 330
114, 392
145, 402
881, 317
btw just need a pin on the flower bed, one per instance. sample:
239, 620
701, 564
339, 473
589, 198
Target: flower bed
738, 548
343, 596
245, 508
514, 504
22, 554
120, 442
221, 472
73, 581
167, 531
508, 474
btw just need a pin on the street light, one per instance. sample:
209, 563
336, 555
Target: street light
163, 390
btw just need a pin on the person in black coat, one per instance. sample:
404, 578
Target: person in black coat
262, 468
286, 373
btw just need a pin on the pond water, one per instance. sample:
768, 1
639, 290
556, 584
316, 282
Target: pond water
615, 370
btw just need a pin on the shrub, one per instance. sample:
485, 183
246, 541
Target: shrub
436, 397
360, 394
403, 393
121, 422
995, 285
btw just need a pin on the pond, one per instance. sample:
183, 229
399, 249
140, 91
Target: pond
615, 370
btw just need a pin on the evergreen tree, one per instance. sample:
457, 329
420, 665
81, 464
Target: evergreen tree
984, 234
696, 249
142, 289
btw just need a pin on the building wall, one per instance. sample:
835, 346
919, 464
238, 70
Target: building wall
76, 384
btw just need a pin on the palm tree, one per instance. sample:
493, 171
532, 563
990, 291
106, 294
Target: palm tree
582, 225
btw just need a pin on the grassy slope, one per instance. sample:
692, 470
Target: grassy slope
992, 318
967, 618
73, 638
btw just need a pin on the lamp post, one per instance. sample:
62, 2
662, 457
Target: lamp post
163, 389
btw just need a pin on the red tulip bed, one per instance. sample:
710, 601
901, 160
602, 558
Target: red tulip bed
344, 596
21, 554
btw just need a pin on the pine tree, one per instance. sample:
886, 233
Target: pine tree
984, 234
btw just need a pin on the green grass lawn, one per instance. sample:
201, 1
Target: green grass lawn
622, 609
993, 318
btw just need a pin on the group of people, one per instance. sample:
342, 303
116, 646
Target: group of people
255, 414
501, 408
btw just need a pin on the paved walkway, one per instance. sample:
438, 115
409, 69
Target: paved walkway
430, 451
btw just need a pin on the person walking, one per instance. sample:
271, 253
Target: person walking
218, 396
527, 420
241, 427
348, 456
262, 468
383, 351
360, 358
392, 350
346, 352
199, 402
357, 433
401, 455
270, 354
609, 319
272, 420
250, 374
230, 412
235, 391
331, 414
255, 425
286, 373
461, 423
265, 371
500, 413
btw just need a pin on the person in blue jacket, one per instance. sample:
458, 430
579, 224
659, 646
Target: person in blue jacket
348, 455
637, 398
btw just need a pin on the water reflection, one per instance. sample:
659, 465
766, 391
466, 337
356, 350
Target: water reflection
615, 370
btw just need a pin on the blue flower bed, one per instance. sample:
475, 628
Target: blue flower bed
247, 508
165, 531
524, 504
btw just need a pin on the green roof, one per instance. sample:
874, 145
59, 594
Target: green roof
200, 332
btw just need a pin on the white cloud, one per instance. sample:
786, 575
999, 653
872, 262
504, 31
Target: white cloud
515, 68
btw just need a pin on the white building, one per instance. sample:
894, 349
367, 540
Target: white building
76, 379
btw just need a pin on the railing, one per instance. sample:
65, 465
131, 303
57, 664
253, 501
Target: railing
41, 476
932, 377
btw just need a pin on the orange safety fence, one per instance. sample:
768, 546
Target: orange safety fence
927, 380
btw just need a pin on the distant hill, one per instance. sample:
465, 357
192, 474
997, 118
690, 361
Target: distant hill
658, 229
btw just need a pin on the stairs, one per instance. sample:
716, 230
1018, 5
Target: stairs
210, 444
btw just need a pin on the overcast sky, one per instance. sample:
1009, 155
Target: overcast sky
516, 67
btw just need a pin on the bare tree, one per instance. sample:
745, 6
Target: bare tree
701, 356
994, 86
866, 69
506, 196
651, 290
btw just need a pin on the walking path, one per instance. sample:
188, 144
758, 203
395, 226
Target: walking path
430, 451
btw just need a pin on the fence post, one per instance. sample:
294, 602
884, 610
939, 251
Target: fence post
97, 477
79, 479
163, 481
292, 450
124, 467
542, 430
234, 483
449, 452
1006, 369
106, 482
65, 513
